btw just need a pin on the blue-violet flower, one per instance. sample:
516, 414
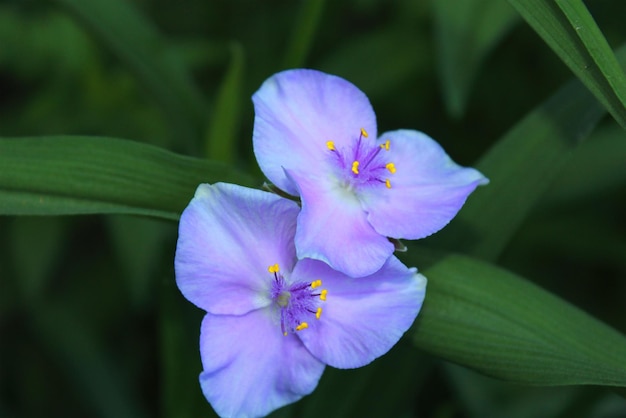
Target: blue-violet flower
273, 322
315, 137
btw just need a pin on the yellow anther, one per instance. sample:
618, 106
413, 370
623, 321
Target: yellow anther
330, 145
316, 283
391, 167
273, 268
364, 132
323, 294
318, 313
385, 146
355, 167
388, 184
285, 334
302, 326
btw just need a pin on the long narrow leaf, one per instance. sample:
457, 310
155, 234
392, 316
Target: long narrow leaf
569, 29
614, 79
79, 175
492, 321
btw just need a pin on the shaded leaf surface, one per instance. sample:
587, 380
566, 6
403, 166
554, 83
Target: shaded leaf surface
569, 29
80, 175
493, 321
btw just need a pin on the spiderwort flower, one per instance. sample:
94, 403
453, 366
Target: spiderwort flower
273, 322
315, 137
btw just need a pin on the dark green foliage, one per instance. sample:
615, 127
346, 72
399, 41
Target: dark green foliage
91, 321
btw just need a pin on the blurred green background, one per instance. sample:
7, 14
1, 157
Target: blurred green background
91, 322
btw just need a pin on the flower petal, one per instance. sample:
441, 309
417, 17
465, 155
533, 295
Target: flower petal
250, 368
332, 227
362, 318
228, 236
427, 188
297, 112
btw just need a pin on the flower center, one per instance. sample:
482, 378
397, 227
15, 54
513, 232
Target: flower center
298, 302
364, 163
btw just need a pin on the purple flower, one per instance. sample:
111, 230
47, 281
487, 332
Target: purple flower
315, 137
273, 322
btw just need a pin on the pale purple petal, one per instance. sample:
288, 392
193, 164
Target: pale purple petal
427, 188
333, 227
297, 112
362, 318
228, 236
250, 368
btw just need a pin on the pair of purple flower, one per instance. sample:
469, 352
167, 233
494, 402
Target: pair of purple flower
290, 289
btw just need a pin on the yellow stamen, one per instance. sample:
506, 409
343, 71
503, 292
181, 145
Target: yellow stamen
285, 334
318, 313
385, 146
355, 167
302, 326
388, 184
273, 268
323, 294
364, 132
391, 167
330, 145
316, 283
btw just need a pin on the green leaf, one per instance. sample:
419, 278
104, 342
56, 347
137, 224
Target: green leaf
67, 175
466, 31
568, 28
222, 135
490, 320
120, 27
521, 167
